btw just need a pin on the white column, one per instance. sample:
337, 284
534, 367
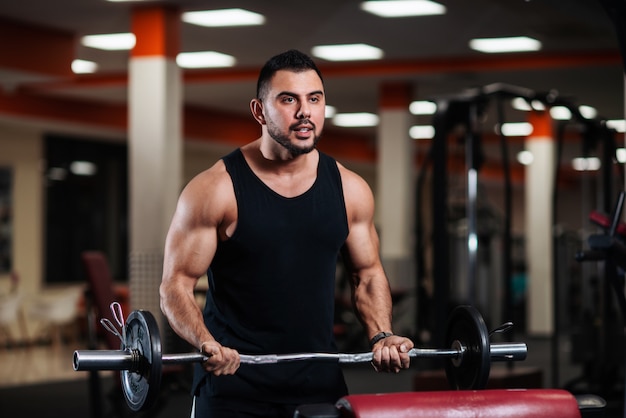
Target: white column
395, 195
395, 192
155, 148
539, 181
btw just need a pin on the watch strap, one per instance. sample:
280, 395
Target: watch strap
379, 336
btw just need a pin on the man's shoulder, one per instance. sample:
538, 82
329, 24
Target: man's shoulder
210, 192
355, 189
348, 175
211, 179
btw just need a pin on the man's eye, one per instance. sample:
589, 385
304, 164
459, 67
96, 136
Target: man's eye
288, 99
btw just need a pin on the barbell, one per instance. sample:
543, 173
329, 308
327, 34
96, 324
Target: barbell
140, 360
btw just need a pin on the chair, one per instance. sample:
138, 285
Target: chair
11, 311
10, 305
101, 293
56, 309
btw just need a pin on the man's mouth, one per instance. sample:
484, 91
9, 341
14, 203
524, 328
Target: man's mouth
304, 129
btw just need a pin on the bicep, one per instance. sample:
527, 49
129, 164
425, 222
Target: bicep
362, 245
192, 238
189, 248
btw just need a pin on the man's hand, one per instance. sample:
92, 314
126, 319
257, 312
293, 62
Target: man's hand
391, 354
222, 360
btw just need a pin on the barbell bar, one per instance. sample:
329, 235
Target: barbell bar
113, 360
140, 360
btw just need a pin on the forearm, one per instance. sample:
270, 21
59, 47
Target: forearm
183, 313
372, 301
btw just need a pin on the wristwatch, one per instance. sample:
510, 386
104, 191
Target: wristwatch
379, 336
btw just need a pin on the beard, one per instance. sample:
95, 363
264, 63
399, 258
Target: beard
286, 143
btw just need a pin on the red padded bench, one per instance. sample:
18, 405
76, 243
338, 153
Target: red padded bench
494, 403
490, 403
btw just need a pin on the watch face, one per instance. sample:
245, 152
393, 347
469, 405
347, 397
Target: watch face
141, 336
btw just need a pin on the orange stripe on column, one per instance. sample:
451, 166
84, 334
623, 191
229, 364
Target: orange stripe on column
395, 95
157, 31
542, 125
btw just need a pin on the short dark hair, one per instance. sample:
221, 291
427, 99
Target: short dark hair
292, 60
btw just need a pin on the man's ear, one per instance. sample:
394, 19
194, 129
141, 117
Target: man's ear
256, 107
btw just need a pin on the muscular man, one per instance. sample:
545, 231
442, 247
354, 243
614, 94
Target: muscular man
266, 224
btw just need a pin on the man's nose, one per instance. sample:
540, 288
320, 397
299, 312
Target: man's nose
304, 112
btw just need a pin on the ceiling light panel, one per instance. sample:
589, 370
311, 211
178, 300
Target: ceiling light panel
223, 18
510, 44
110, 41
516, 129
519, 103
522, 104
422, 132
355, 120
588, 112
204, 59
422, 107
618, 124
347, 52
586, 164
403, 8
560, 113
84, 67
525, 157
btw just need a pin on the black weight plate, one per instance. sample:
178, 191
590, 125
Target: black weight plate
141, 387
466, 325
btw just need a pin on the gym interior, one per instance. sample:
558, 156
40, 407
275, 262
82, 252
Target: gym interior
498, 178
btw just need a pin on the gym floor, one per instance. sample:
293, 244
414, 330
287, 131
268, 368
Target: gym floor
48, 368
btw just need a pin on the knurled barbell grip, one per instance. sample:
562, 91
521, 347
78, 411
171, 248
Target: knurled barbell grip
280, 358
127, 360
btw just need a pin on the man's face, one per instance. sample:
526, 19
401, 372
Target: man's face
294, 110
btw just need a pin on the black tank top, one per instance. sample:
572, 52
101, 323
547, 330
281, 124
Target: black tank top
271, 286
